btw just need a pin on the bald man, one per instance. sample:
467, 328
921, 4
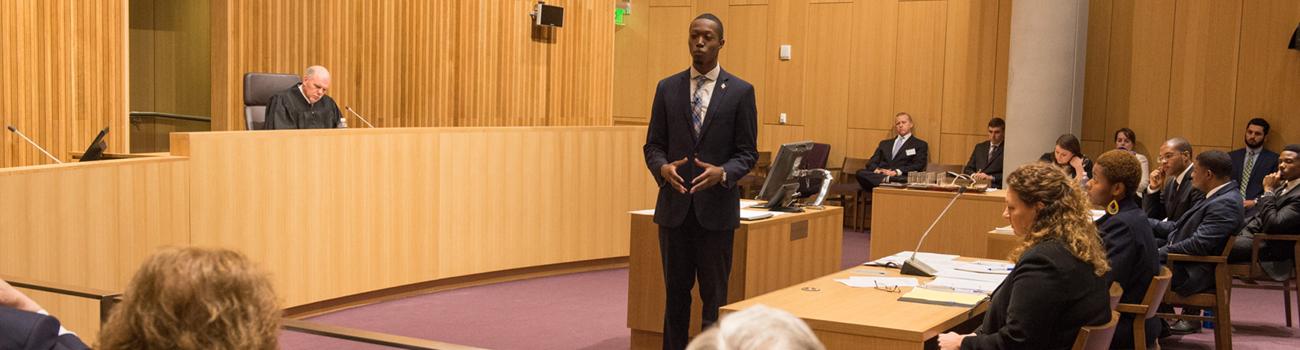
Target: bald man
304, 106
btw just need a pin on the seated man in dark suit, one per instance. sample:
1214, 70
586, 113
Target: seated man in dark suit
1277, 212
1202, 230
25, 325
1170, 192
985, 162
1251, 163
304, 106
895, 157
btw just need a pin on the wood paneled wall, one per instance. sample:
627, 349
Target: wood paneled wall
338, 212
424, 63
90, 225
170, 58
855, 64
62, 76
1196, 69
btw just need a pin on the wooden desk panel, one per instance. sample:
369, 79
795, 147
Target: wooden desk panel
338, 212
767, 256
89, 225
899, 217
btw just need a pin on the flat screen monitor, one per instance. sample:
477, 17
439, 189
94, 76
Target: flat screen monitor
783, 167
96, 149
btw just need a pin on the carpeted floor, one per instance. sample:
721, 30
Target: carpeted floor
589, 311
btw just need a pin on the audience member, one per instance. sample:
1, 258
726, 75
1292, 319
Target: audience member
1277, 212
24, 324
1165, 199
1126, 139
1251, 163
758, 328
1068, 156
1126, 234
1203, 230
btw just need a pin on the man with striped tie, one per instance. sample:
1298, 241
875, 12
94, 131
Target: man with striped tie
700, 141
1251, 163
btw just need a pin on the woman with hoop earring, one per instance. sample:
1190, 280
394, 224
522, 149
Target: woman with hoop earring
1126, 235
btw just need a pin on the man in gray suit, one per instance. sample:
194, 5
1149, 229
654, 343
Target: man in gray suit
1278, 213
1203, 230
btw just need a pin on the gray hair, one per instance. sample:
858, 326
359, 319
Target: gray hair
316, 71
758, 328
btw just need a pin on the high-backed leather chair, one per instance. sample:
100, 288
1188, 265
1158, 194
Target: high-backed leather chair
258, 89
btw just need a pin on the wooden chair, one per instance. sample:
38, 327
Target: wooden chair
1218, 301
1115, 293
1097, 337
1250, 274
1147, 309
850, 195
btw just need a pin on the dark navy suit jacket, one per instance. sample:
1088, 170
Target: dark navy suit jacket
1131, 250
1265, 163
727, 139
1203, 230
912, 156
1173, 200
32, 331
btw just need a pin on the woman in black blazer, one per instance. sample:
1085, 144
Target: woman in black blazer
1068, 156
1126, 234
1058, 283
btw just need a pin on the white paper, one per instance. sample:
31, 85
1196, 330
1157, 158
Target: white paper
752, 214
985, 267
1097, 214
931, 259
972, 276
1004, 229
962, 285
884, 282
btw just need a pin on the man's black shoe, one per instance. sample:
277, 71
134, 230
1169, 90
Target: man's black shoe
1184, 327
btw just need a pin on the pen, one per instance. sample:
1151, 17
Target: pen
869, 272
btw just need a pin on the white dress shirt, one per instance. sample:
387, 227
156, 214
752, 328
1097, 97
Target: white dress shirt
708, 88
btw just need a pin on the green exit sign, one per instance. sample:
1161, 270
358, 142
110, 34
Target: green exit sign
619, 15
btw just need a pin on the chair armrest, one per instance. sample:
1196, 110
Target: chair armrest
1275, 237
1132, 308
1197, 258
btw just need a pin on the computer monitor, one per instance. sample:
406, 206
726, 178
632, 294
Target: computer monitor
96, 149
782, 171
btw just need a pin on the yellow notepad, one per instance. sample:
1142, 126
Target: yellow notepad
930, 296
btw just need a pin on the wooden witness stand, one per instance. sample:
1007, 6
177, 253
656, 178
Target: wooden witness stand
769, 254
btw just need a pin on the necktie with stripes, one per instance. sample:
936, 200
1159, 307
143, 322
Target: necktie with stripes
697, 104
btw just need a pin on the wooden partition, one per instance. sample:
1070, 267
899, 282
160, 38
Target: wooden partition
89, 225
333, 213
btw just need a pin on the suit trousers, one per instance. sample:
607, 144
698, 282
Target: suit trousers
688, 251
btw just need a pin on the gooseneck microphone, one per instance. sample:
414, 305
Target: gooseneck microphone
915, 267
363, 119
33, 143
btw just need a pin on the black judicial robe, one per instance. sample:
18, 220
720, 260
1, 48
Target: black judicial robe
288, 109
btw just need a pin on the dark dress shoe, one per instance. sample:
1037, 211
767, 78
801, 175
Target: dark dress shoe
1184, 327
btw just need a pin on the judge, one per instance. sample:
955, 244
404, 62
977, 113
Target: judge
304, 106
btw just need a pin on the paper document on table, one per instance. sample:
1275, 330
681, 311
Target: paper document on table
972, 276
755, 214
963, 285
933, 259
992, 267
1004, 229
872, 282
643, 212
938, 297
746, 203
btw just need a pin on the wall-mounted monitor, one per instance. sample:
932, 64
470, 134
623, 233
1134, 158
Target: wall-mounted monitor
548, 15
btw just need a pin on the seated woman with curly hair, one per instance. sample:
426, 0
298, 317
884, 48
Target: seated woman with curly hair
1057, 285
195, 298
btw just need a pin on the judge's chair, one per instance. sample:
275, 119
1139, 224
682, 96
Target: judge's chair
258, 89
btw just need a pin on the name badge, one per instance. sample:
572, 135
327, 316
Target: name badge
910, 152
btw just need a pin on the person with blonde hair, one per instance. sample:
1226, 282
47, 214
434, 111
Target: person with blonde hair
758, 328
1058, 284
195, 298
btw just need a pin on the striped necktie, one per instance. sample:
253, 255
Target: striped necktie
697, 104
1245, 172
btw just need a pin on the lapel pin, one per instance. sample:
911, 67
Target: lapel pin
724, 85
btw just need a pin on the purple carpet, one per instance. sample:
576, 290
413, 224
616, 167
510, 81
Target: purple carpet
589, 311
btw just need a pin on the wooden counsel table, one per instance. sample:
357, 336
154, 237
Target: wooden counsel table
844, 317
768, 254
900, 216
